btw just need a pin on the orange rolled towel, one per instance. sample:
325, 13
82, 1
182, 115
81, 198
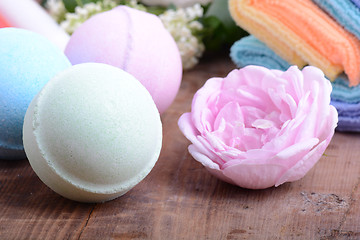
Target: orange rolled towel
300, 32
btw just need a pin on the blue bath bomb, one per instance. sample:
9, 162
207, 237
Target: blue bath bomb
27, 62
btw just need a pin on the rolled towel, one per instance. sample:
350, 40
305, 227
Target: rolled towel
298, 30
251, 21
349, 116
251, 51
356, 2
343, 93
344, 12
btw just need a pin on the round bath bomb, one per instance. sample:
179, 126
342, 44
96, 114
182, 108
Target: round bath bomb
136, 42
27, 62
92, 133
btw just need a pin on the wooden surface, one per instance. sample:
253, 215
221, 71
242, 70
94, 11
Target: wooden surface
179, 199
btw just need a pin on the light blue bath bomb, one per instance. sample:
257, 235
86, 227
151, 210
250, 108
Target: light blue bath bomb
27, 62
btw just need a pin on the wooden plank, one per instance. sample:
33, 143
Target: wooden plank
179, 199
30, 210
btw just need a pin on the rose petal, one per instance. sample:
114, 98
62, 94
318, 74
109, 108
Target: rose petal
202, 158
231, 113
220, 175
188, 129
286, 158
328, 123
254, 176
295, 79
304, 165
209, 164
311, 75
262, 124
286, 136
254, 97
251, 114
200, 102
308, 128
206, 148
253, 157
289, 156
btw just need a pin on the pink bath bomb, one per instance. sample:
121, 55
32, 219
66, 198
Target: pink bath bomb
136, 42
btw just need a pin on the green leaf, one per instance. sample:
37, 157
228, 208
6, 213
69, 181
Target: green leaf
219, 9
157, 10
71, 4
220, 30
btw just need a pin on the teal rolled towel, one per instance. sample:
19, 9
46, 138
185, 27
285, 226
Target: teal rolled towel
251, 51
345, 12
342, 92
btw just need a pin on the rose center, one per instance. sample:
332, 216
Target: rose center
246, 127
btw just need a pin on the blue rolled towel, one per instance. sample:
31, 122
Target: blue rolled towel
345, 12
356, 2
343, 93
251, 51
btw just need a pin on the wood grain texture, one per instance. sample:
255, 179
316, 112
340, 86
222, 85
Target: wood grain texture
179, 199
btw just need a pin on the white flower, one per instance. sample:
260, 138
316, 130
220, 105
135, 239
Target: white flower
82, 13
182, 25
56, 9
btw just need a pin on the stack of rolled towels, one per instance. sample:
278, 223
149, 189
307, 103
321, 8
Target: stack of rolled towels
321, 33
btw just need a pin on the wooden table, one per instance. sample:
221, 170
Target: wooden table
179, 199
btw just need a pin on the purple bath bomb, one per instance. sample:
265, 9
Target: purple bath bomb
136, 42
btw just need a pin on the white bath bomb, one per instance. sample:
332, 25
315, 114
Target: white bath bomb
92, 133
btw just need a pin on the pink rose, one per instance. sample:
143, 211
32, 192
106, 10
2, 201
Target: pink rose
258, 128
